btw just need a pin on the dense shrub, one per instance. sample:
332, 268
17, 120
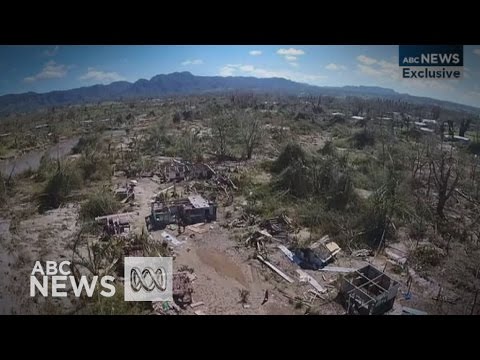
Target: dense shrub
99, 204
291, 155
85, 143
94, 167
362, 139
59, 186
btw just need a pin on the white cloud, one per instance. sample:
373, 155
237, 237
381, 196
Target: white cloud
385, 70
51, 70
51, 52
100, 76
250, 70
192, 62
247, 68
291, 55
255, 52
476, 51
229, 69
366, 60
290, 51
335, 67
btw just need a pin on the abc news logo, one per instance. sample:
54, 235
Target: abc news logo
145, 279
431, 61
148, 279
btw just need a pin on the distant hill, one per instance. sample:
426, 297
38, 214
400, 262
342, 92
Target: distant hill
185, 83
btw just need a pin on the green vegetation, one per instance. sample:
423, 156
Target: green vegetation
99, 204
57, 189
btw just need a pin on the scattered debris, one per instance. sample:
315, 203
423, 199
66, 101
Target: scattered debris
165, 308
198, 228
199, 312
171, 238
322, 241
395, 255
304, 277
265, 298
244, 220
116, 224
278, 227
126, 193
333, 248
182, 289
362, 253
317, 258
197, 304
274, 268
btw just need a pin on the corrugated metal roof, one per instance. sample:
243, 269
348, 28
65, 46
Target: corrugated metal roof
197, 201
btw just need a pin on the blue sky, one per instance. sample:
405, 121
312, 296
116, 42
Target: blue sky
46, 68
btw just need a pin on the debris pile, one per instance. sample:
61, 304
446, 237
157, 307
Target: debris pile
258, 239
314, 257
182, 288
279, 227
115, 224
127, 192
243, 221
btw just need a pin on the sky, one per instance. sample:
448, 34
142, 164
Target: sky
59, 67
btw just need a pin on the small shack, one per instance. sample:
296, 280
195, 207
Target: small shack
368, 291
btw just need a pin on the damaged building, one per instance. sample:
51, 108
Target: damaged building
368, 291
192, 210
176, 171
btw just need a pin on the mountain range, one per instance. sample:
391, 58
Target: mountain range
184, 83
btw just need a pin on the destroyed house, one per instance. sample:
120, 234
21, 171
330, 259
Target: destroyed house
178, 171
196, 209
317, 257
192, 210
368, 291
175, 171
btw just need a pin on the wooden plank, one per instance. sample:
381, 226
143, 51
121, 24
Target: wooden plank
127, 198
197, 229
114, 215
274, 268
411, 311
337, 269
210, 168
197, 304
305, 277
287, 252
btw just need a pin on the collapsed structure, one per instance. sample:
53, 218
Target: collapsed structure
115, 224
368, 291
180, 170
192, 210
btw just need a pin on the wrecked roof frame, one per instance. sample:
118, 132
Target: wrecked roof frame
368, 291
